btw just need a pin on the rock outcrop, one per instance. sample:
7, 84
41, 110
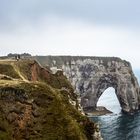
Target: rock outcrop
91, 76
38, 105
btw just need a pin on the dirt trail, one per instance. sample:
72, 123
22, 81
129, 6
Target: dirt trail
19, 73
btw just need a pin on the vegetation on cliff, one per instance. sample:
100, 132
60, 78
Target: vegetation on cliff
35, 105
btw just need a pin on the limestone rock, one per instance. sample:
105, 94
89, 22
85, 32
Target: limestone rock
91, 76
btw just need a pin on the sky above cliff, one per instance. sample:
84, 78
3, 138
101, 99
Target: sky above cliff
71, 27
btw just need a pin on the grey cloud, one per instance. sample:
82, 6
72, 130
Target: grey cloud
98, 11
15, 12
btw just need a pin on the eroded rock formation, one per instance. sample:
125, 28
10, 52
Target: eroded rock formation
91, 76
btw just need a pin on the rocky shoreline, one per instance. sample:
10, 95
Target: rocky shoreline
99, 111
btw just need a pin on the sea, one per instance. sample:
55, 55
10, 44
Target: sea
117, 126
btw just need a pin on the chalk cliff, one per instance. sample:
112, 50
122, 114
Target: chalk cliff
91, 76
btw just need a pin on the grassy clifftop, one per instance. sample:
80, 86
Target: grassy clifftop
35, 105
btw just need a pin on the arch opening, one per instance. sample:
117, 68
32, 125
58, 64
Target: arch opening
109, 100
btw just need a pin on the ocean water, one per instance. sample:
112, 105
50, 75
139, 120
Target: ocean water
117, 126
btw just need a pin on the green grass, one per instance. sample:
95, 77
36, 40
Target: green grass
57, 118
8, 70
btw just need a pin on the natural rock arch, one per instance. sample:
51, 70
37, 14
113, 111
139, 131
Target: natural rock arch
91, 76
109, 102
124, 91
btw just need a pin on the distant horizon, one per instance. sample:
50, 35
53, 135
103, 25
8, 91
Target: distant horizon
135, 69
59, 55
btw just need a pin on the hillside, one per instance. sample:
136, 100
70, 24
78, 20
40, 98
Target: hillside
38, 105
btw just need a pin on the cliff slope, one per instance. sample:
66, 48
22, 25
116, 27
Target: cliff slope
38, 105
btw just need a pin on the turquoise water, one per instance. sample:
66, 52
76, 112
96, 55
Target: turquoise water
117, 126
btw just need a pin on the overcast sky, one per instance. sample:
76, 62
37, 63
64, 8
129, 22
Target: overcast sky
71, 27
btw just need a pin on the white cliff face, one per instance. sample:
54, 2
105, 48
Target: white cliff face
91, 76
